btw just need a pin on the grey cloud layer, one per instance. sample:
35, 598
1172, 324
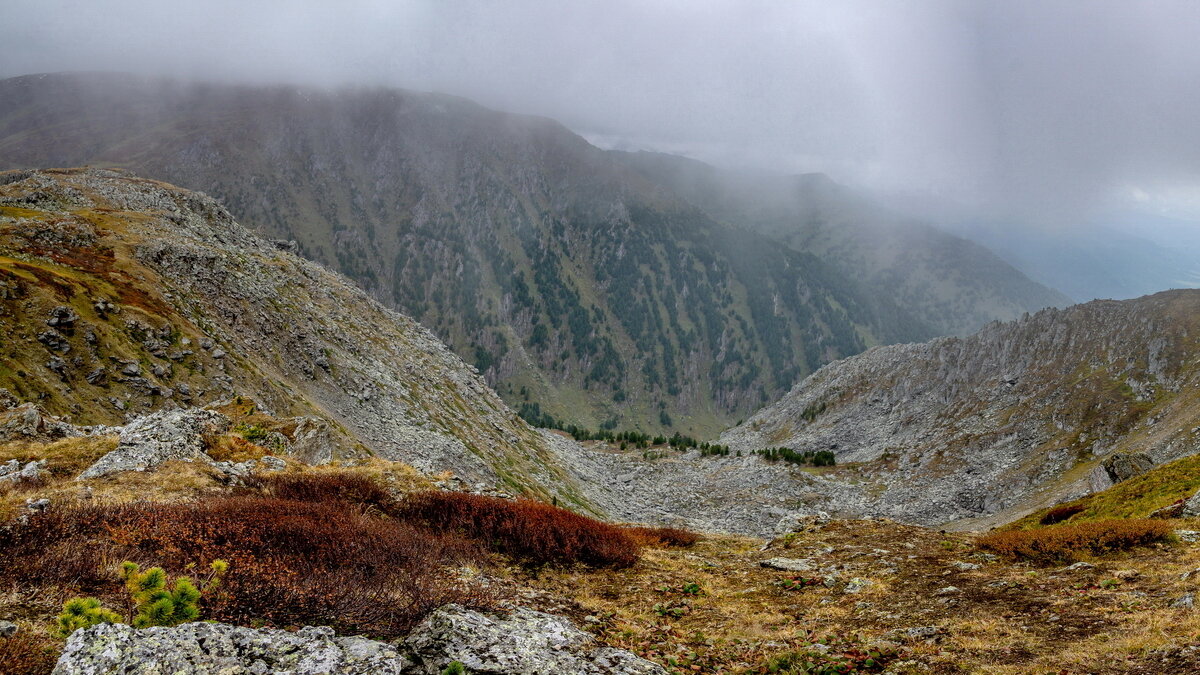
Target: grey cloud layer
1029, 107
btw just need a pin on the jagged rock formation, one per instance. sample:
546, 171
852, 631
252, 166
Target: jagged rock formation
160, 301
568, 275
524, 642
1008, 418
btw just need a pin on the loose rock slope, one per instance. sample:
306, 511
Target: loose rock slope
121, 296
1011, 417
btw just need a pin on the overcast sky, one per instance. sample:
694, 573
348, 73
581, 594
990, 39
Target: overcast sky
1040, 109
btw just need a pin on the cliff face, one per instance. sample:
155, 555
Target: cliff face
1009, 417
120, 295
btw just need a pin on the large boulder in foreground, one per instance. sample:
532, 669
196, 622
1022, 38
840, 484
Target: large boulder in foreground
225, 650
523, 643
160, 437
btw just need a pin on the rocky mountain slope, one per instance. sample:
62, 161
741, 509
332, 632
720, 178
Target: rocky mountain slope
570, 276
119, 296
1004, 420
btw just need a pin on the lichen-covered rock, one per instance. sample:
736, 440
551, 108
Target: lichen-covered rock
29, 422
13, 470
162, 436
523, 643
312, 441
1119, 466
225, 650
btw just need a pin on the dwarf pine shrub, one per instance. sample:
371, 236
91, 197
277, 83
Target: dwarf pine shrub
153, 600
82, 613
154, 603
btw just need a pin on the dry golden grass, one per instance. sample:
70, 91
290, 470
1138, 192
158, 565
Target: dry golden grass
66, 457
233, 448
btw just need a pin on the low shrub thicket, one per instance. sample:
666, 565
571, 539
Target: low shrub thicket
1060, 513
531, 532
291, 562
343, 486
662, 537
1064, 542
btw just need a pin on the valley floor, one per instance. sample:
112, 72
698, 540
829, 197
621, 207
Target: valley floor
892, 587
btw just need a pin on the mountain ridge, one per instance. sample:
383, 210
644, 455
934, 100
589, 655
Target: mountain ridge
570, 278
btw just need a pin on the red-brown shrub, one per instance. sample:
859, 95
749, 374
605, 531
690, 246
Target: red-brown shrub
26, 654
662, 537
290, 562
1064, 542
319, 487
1061, 513
532, 532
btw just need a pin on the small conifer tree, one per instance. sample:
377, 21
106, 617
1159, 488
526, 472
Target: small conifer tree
151, 601
82, 613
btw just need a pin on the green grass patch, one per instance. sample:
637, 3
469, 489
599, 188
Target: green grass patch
1137, 497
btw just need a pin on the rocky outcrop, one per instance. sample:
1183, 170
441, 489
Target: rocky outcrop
1119, 467
524, 642
29, 422
14, 471
227, 650
160, 437
1191, 507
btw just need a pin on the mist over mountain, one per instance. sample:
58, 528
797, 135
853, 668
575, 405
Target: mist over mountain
598, 286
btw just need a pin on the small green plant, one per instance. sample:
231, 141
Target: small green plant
82, 613
1110, 583
151, 602
455, 668
671, 610
691, 588
252, 432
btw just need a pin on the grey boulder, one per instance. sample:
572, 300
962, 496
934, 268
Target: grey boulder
160, 437
225, 650
1191, 508
1119, 467
523, 643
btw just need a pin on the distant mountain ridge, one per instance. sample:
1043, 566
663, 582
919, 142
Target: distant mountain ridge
943, 281
570, 276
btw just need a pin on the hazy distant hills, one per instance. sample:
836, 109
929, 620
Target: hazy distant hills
572, 277
1088, 262
946, 282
